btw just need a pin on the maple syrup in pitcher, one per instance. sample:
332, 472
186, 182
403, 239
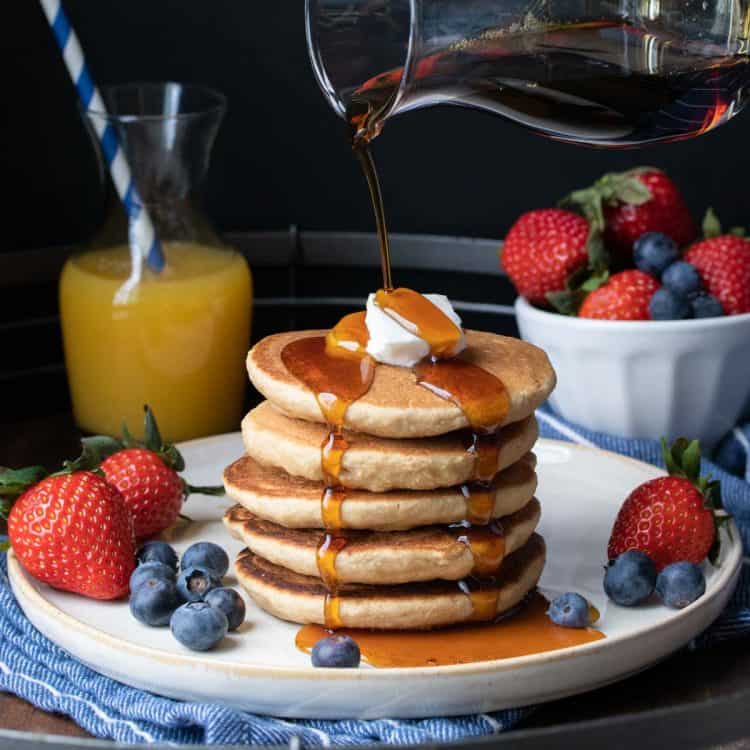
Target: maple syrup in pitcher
603, 83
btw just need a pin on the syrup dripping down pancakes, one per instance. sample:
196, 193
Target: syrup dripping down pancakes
448, 552
396, 406
368, 487
294, 502
420, 606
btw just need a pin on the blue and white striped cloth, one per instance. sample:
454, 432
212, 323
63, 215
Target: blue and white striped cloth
37, 670
733, 452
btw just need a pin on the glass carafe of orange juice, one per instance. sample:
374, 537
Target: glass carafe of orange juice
177, 338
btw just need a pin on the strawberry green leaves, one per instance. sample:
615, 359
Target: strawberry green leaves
683, 459
93, 451
712, 226
152, 441
215, 490
577, 287
589, 202
623, 187
14, 482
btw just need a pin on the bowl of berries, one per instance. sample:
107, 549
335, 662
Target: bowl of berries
646, 323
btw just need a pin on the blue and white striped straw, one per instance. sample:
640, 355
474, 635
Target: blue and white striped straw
144, 244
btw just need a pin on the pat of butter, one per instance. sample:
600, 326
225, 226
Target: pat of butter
391, 344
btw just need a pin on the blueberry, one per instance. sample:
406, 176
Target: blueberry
151, 570
630, 578
682, 278
654, 251
570, 610
194, 583
157, 552
666, 305
336, 651
153, 602
705, 305
680, 584
198, 626
230, 603
207, 556
732, 453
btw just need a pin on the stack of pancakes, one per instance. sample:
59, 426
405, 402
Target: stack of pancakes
403, 553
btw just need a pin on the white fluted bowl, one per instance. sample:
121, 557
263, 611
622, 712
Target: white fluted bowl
646, 379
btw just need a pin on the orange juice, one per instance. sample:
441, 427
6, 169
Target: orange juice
178, 344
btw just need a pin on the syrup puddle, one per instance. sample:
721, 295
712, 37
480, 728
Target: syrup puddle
527, 631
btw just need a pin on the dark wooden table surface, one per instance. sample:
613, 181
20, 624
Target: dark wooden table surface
686, 677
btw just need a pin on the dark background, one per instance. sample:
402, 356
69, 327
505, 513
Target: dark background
281, 157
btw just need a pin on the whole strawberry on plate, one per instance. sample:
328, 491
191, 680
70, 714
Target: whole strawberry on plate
553, 258
723, 262
71, 530
626, 205
674, 518
626, 296
146, 474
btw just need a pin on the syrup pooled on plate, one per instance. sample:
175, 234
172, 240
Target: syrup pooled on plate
523, 632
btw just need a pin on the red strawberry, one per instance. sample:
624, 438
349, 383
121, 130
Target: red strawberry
667, 518
665, 211
74, 532
628, 204
152, 490
625, 296
671, 518
146, 474
724, 265
542, 250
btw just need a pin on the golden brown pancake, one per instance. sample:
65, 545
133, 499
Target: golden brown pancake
431, 604
396, 406
382, 557
293, 502
373, 463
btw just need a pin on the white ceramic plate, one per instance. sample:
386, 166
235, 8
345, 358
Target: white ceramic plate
259, 669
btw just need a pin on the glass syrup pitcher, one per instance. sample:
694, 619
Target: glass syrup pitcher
612, 74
